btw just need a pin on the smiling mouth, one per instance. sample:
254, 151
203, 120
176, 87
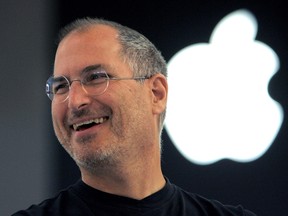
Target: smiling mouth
88, 124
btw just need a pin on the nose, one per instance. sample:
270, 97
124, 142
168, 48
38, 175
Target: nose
78, 97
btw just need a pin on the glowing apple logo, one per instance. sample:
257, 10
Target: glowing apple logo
218, 102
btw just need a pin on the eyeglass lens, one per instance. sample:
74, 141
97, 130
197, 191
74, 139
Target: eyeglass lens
94, 82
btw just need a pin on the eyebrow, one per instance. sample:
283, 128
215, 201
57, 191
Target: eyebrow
87, 69
91, 68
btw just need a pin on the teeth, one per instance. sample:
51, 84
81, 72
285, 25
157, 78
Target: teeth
96, 121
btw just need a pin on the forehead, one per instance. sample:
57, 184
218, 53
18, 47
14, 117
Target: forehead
79, 49
96, 35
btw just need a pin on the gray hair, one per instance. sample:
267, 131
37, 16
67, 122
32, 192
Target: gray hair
136, 50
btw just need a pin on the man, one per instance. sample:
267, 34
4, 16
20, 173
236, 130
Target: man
109, 94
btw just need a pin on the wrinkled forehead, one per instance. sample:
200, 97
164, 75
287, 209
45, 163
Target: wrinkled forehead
95, 35
96, 45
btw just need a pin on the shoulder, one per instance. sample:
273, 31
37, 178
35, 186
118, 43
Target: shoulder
66, 202
204, 206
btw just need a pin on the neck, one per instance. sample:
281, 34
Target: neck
137, 179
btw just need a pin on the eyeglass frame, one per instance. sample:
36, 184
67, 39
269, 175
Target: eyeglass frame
107, 78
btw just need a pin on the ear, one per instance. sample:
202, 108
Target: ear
159, 91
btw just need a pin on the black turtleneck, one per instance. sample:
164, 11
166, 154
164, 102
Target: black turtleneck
81, 199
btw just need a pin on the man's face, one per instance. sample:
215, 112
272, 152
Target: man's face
124, 111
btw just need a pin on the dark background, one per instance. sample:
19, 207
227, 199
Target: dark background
260, 186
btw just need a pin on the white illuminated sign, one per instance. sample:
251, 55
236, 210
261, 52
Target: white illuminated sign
218, 102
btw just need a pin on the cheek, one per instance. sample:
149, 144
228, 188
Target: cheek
57, 118
128, 104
